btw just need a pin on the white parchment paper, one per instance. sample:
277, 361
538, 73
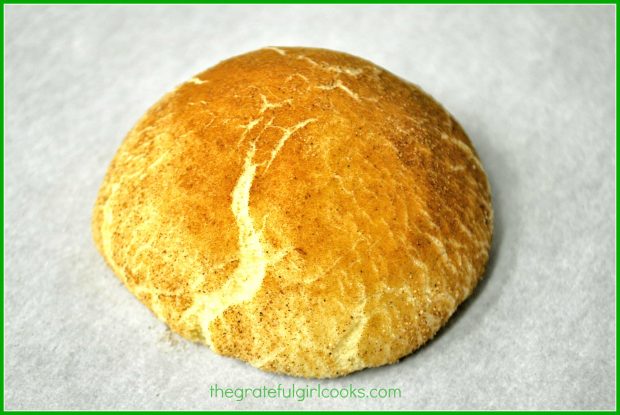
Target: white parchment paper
532, 85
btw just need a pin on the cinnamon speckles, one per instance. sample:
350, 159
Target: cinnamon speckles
300, 209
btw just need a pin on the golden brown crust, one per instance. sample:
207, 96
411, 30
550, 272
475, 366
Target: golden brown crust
300, 209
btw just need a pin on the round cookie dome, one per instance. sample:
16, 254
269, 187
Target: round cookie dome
300, 209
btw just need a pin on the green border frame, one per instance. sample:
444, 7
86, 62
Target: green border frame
489, 2
378, 2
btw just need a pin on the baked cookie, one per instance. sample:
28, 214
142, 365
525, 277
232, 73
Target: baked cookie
301, 209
